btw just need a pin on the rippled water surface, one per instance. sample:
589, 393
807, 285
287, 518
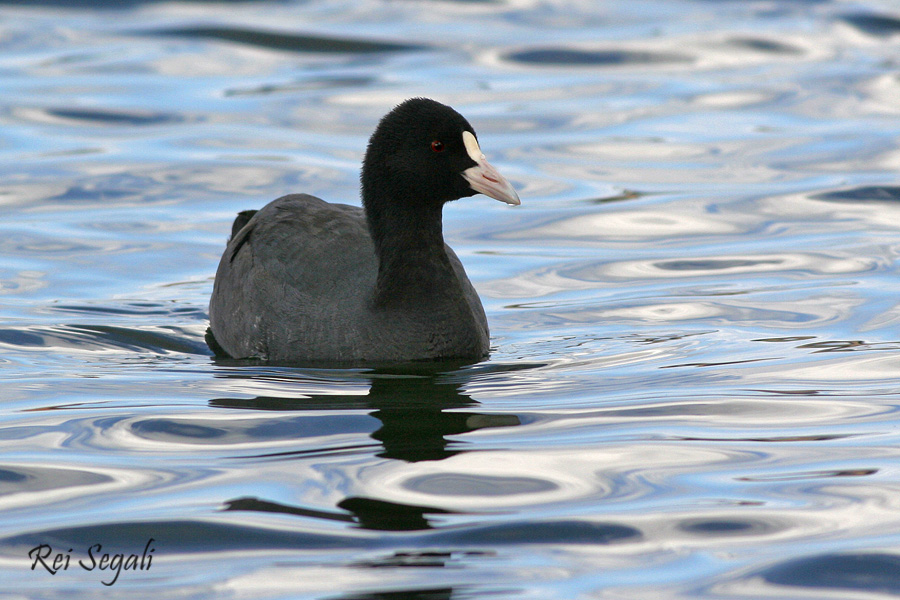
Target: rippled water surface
695, 377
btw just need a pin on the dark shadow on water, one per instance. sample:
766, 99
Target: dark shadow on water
365, 513
595, 58
417, 403
866, 193
775, 439
878, 25
418, 407
807, 475
620, 197
288, 42
726, 528
119, 117
764, 45
870, 572
305, 84
378, 515
835, 345
713, 264
423, 558
416, 594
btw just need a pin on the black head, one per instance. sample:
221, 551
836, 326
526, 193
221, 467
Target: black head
426, 152
422, 155
417, 154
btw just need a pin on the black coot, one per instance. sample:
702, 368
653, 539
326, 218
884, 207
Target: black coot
303, 280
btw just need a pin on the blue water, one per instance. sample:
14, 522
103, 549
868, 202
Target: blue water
695, 378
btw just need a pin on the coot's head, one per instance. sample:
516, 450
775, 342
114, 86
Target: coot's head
423, 154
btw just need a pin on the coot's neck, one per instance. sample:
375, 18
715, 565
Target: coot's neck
409, 243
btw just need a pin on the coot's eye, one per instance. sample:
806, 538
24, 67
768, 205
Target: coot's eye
437, 146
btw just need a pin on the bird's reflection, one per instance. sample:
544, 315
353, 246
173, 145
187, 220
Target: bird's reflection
418, 407
366, 513
416, 594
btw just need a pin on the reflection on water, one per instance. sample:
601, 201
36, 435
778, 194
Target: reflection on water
693, 385
416, 412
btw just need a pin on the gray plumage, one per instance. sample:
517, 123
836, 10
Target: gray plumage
302, 280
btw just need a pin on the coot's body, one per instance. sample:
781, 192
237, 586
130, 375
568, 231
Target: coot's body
302, 280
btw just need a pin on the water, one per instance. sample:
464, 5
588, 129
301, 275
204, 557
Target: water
693, 388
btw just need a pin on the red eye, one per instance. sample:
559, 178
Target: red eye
437, 146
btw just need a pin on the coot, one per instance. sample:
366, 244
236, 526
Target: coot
303, 280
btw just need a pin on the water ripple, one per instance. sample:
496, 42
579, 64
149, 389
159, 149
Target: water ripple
866, 193
99, 338
96, 116
290, 42
633, 225
798, 264
611, 57
870, 572
759, 44
875, 24
23, 485
34, 480
693, 386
